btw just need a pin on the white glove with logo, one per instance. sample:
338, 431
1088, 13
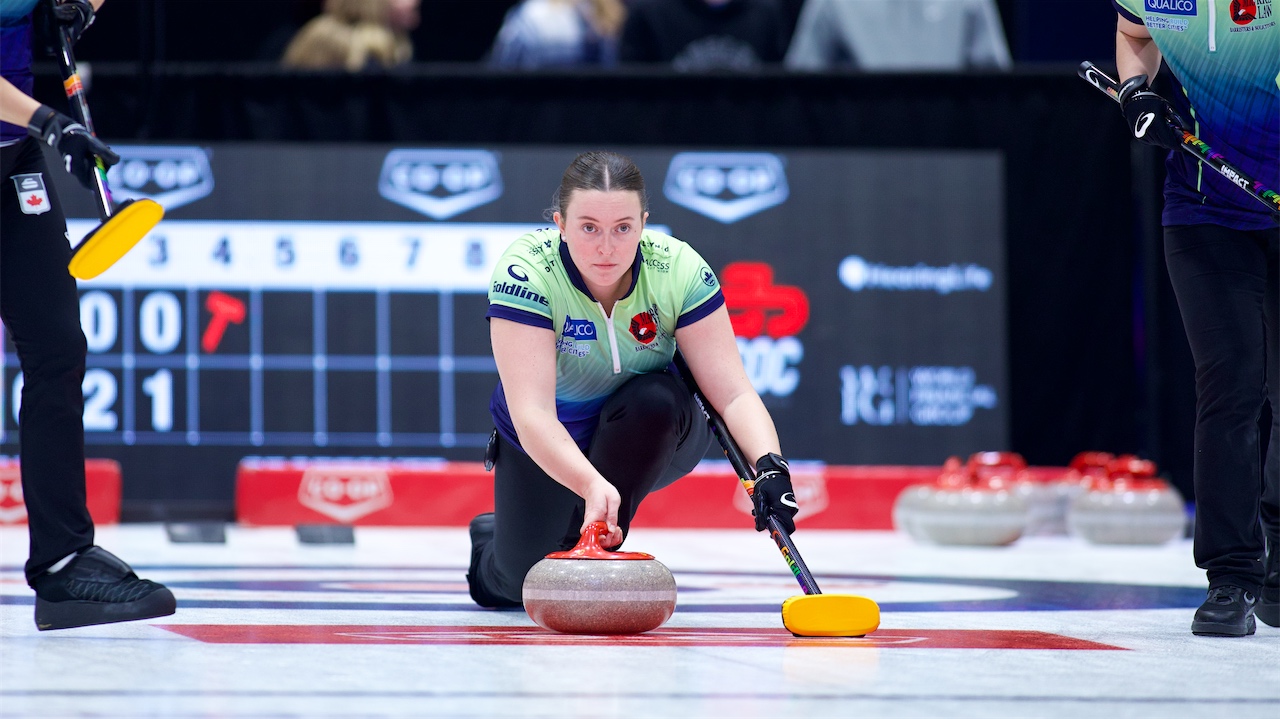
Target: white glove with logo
773, 494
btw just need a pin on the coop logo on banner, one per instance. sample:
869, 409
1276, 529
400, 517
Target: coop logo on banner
172, 176
12, 509
766, 317
345, 494
858, 274
440, 183
921, 396
726, 186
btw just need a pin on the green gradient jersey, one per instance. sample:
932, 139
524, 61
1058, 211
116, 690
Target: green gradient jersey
536, 283
1225, 54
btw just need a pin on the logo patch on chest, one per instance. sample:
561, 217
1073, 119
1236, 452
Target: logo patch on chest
1171, 7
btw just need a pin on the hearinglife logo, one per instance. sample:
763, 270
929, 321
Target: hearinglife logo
440, 183
857, 274
726, 186
172, 176
765, 318
922, 396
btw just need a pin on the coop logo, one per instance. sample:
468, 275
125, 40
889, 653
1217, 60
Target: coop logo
345, 494
857, 274
726, 186
12, 509
921, 396
172, 176
1172, 7
440, 183
766, 317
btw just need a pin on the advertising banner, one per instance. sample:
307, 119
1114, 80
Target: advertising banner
330, 300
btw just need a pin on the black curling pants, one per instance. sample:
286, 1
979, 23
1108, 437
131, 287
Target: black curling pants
1226, 282
650, 434
41, 313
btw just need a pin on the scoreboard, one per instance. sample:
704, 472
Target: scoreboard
330, 300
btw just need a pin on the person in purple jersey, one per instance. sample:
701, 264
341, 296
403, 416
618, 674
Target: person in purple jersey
76, 583
1221, 248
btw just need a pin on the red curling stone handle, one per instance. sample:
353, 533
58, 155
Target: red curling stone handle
589, 547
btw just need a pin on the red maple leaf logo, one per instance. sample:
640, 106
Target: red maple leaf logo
35, 201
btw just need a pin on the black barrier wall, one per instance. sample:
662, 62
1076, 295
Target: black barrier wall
1065, 214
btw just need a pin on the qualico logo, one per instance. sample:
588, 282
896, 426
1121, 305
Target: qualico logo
172, 176
1172, 7
726, 186
345, 493
578, 329
922, 396
766, 317
440, 183
857, 274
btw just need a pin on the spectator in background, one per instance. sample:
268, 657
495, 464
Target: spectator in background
705, 34
917, 35
355, 35
559, 33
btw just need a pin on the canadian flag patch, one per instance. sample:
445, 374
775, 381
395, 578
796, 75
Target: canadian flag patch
32, 197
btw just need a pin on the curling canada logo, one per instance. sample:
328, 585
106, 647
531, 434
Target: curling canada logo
172, 176
765, 318
440, 183
726, 186
345, 494
644, 328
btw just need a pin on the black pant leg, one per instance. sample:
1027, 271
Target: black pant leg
41, 311
1271, 463
534, 515
1220, 278
648, 436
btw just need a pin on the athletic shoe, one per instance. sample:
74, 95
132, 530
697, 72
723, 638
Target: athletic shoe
1269, 597
481, 530
1227, 612
96, 587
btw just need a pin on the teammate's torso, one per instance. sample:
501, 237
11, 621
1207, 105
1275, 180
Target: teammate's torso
1225, 55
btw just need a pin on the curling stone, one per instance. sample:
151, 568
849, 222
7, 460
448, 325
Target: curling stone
972, 504
1130, 506
590, 590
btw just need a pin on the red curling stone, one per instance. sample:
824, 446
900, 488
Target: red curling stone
590, 590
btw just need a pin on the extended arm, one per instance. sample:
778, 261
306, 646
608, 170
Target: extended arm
711, 350
526, 358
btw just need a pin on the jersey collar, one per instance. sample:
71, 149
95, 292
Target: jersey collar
575, 277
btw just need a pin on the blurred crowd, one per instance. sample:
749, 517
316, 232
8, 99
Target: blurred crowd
692, 35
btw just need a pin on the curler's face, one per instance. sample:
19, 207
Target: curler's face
602, 230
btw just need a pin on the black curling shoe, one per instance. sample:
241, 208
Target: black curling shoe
97, 587
1227, 612
481, 530
1269, 601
